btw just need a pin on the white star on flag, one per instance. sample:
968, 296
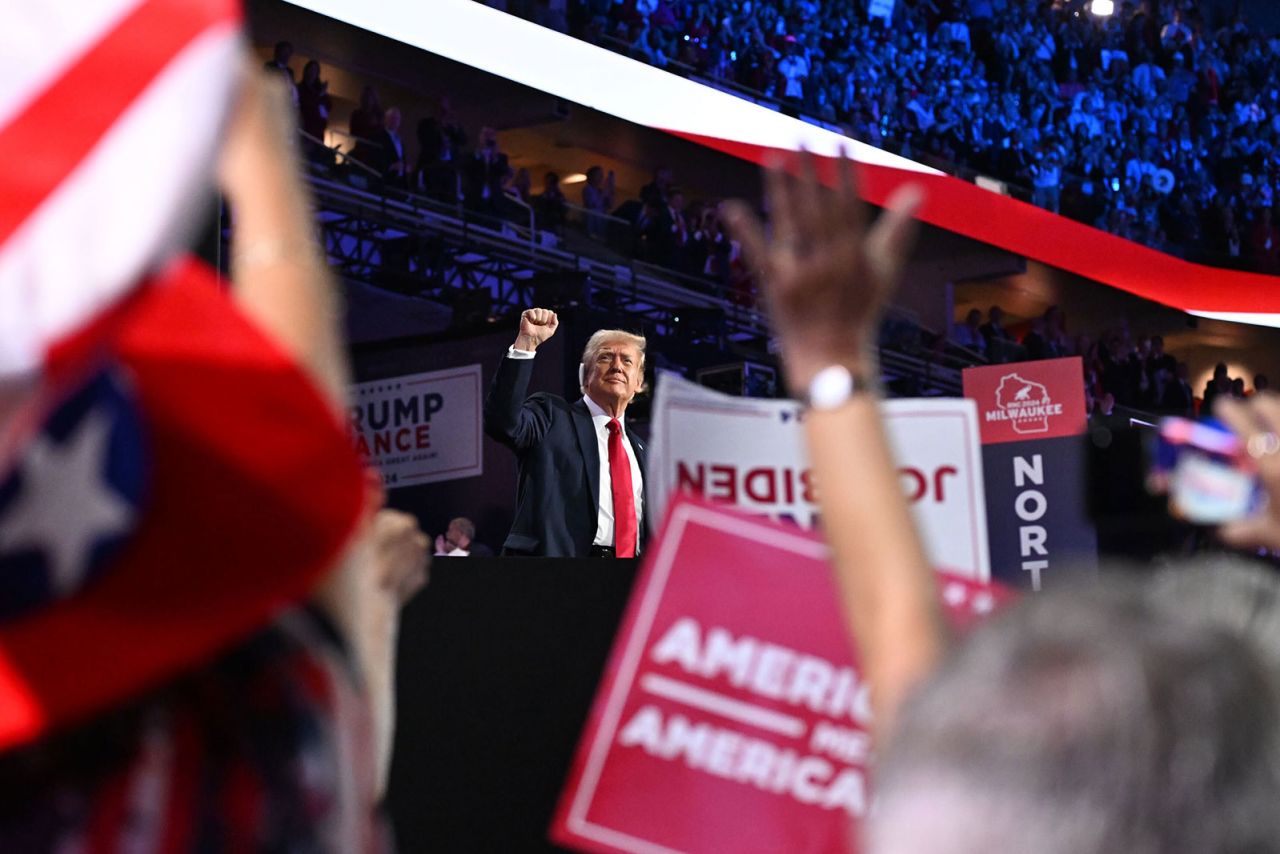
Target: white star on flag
65, 506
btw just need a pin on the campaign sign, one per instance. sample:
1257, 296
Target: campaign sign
750, 453
1032, 417
732, 716
421, 428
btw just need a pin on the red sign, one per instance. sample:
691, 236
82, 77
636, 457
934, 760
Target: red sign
1028, 400
733, 716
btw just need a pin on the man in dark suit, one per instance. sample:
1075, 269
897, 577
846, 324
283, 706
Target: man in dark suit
581, 474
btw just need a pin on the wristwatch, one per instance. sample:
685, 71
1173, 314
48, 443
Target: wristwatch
832, 387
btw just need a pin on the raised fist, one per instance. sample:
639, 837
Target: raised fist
536, 326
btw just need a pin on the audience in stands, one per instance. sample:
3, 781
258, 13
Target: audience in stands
1148, 123
689, 237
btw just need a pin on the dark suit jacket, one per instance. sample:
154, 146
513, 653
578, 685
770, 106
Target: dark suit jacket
558, 488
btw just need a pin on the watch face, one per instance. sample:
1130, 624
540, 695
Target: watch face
830, 387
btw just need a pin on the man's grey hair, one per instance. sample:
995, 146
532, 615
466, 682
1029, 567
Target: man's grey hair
1087, 721
603, 337
465, 526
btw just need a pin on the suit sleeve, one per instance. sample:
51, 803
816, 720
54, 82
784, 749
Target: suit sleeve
509, 417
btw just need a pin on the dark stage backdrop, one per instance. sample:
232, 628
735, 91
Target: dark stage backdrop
498, 663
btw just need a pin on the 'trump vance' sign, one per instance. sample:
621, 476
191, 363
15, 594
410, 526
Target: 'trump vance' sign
749, 453
733, 716
421, 428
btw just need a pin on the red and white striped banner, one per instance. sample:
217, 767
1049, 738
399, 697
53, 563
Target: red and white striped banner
109, 113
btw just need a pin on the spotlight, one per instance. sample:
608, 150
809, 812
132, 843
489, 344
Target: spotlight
1102, 8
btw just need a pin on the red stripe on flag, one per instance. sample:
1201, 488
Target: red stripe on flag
48, 140
1024, 229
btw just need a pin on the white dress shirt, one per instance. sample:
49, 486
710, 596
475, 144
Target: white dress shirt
604, 519
600, 420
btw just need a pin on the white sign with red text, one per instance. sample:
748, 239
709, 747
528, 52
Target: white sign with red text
421, 428
749, 453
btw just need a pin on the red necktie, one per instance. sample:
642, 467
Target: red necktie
624, 501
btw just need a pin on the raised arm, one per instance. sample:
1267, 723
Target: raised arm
509, 417
279, 274
827, 279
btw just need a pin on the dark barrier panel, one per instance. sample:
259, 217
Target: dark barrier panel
498, 664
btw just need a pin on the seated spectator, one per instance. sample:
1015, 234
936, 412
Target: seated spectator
1260, 383
457, 539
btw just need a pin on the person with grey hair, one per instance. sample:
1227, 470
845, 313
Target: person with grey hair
1098, 719
1118, 717
580, 489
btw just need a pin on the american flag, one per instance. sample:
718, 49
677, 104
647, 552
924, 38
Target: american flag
169, 478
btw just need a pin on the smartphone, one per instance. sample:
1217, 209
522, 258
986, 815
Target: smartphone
1207, 474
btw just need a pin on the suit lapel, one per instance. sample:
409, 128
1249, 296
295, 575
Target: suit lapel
589, 445
642, 458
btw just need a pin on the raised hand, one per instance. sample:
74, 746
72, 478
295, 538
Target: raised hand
827, 276
402, 558
536, 326
1257, 422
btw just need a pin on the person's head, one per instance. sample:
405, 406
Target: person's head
311, 72
1157, 345
488, 138
676, 200
369, 99
1220, 372
995, 314
551, 182
391, 119
282, 53
460, 533
1082, 722
595, 175
1237, 387
973, 318
1261, 383
613, 367
1107, 403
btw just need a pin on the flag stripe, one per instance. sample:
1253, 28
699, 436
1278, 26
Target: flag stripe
64, 123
